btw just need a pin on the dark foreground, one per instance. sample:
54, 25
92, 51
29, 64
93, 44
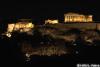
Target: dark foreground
86, 55
82, 53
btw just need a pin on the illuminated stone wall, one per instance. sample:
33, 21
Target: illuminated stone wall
23, 27
98, 26
10, 27
51, 21
74, 17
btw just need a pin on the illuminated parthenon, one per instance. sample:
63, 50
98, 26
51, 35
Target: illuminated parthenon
74, 17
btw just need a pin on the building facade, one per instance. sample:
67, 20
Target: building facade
23, 25
51, 21
74, 17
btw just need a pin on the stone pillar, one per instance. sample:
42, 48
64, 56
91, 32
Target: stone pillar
68, 18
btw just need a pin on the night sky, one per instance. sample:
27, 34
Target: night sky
48, 9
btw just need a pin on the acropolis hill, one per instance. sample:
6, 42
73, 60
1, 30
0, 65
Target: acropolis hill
71, 20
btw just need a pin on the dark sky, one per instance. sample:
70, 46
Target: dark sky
49, 8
